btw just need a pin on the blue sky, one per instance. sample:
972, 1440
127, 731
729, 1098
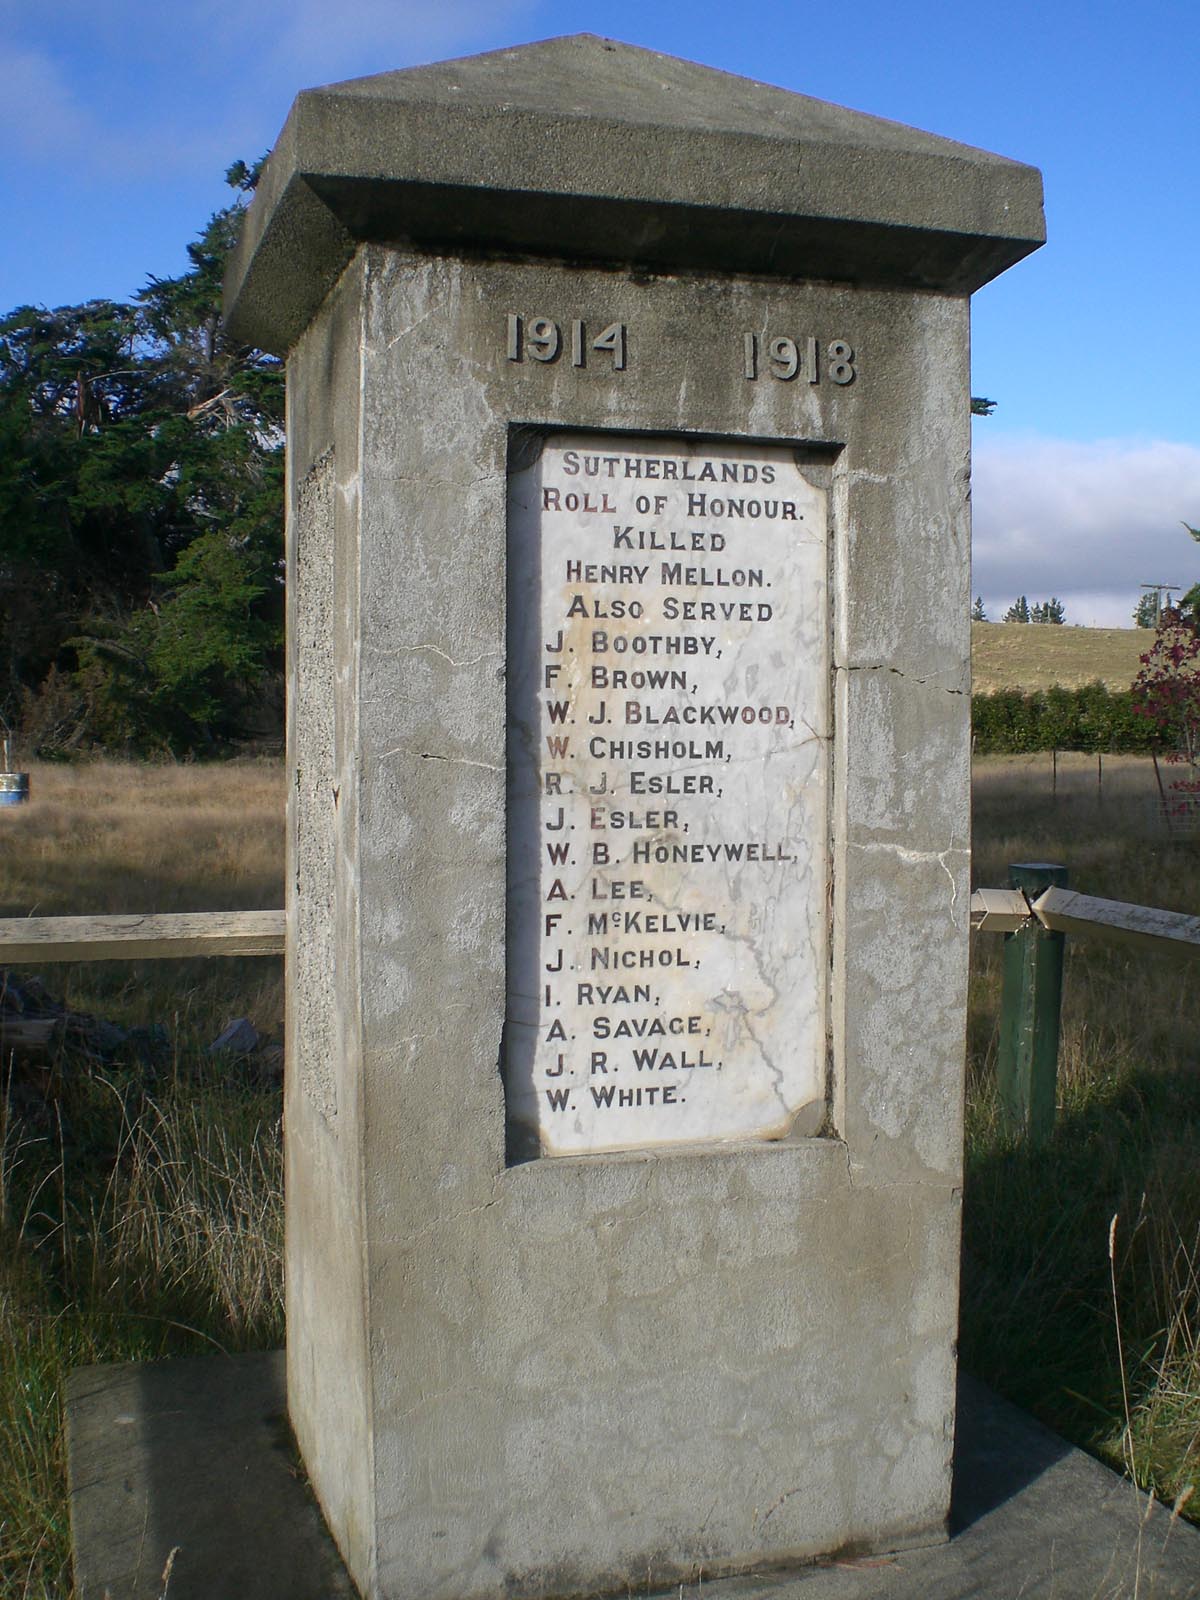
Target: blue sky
119, 117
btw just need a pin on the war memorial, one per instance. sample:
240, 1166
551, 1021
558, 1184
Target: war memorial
628, 567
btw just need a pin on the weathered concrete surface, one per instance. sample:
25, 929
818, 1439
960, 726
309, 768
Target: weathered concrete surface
554, 1376
193, 1454
589, 149
190, 1465
592, 1373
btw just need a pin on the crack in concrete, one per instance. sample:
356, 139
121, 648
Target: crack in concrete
431, 755
919, 857
783, 1498
448, 1219
432, 1399
884, 666
481, 479
411, 328
432, 649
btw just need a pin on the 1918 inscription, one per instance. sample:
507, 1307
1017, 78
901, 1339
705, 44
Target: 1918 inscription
781, 356
668, 722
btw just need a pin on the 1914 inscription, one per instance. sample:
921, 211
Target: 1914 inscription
668, 740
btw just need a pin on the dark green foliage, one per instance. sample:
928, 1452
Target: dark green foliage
1093, 718
978, 614
1145, 613
1018, 611
141, 508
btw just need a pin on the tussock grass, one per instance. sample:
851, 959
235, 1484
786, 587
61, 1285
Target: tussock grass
1039, 1320
112, 837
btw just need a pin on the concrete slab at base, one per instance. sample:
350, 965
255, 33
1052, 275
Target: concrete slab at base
195, 1455
193, 1458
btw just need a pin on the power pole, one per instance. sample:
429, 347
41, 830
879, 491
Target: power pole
1161, 589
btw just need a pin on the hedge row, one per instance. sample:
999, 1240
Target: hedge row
1092, 718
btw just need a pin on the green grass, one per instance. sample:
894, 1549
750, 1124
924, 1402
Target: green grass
141, 1212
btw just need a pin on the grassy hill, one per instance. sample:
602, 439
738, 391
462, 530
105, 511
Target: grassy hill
1022, 655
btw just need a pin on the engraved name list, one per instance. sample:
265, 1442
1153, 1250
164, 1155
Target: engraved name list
668, 746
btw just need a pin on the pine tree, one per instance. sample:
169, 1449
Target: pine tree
141, 470
1018, 611
978, 614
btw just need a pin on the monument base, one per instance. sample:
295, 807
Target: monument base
190, 1463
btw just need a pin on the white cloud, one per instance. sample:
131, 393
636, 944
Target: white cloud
379, 35
55, 127
190, 85
39, 115
1088, 522
310, 42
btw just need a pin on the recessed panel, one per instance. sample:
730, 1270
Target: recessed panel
667, 760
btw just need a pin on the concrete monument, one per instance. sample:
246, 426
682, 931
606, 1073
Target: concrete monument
628, 743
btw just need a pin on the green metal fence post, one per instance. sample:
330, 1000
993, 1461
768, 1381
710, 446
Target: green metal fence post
1027, 1064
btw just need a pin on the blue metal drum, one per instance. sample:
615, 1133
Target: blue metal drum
14, 788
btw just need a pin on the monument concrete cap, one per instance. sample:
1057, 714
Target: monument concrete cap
582, 148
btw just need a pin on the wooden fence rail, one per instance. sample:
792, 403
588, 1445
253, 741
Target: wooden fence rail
999, 911
1064, 911
112, 938
1034, 915
1117, 921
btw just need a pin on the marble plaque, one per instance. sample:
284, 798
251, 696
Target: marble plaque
668, 690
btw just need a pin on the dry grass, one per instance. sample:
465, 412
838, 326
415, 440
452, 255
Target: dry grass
121, 837
1100, 817
1021, 655
111, 837
1038, 1314
157, 1233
